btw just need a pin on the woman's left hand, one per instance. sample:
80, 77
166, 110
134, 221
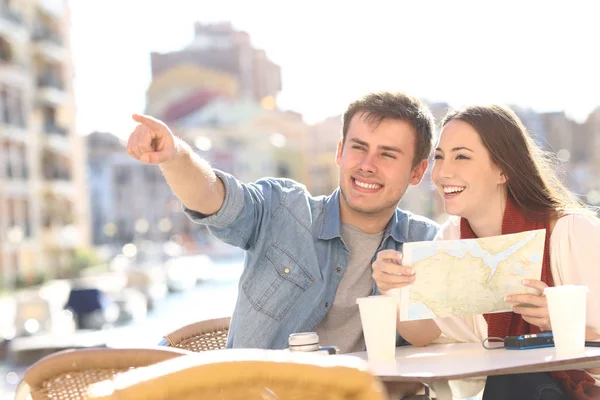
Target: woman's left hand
532, 307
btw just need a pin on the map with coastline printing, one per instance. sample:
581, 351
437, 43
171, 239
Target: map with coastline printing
469, 276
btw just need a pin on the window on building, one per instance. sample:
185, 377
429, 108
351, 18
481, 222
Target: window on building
23, 171
10, 210
5, 50
11, 106
26, 219
18, 109
49, 118
6, 160
4, 104
46, 219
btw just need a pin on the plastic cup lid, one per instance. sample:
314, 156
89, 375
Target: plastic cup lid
563, 288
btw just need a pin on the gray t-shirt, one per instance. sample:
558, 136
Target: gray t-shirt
341, 326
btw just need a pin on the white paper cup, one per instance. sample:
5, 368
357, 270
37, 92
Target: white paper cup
567, 307
378, 317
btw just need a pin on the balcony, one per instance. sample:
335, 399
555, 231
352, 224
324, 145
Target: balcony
11, 23
13, 69
62, 188
57, 176
57, 138
51, 89
49, 44
15, 185
8, 62
52, 173
55, 129
16, 133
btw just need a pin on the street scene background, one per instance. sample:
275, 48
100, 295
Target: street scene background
94, 248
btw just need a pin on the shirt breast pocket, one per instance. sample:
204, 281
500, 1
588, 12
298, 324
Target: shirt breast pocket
277, 283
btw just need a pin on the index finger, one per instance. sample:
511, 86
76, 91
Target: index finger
532, 299
148, 121
393, 255
535, 284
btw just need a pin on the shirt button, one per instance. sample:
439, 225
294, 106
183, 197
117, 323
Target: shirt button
326, 305
286, 270
338, 269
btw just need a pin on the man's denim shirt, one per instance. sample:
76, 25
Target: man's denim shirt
295, 255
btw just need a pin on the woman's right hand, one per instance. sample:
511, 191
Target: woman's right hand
389, 273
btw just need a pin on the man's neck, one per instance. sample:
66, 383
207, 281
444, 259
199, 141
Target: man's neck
374, 223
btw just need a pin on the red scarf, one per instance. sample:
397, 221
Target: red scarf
574, 383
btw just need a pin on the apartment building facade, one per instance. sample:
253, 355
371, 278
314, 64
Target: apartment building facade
43, 204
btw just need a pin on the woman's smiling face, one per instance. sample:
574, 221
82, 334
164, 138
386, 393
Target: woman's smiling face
463, 171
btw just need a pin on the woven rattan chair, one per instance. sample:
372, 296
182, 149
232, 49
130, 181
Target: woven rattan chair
66, 375
246, 374
200, 336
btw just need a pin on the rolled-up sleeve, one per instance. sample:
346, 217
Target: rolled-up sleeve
229, 211
246, 210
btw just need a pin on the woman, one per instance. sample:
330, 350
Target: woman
494, 180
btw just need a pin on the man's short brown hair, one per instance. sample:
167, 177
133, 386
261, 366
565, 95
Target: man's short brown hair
393, 105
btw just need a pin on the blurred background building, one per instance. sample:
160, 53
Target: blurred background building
219, 93
79, 215
219, 47
131, 201
44, 213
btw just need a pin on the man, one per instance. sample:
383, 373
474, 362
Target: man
307, 258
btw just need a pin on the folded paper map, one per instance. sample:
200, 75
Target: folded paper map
469, 276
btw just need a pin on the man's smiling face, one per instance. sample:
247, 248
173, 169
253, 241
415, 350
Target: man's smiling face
376, 166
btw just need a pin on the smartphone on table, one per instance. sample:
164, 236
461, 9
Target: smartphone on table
530, 341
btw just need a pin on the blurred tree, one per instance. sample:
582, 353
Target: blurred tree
84, 258
30, 279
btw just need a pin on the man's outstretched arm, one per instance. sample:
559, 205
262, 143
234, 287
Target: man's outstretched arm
190, 177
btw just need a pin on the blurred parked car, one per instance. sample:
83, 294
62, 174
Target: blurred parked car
150, 281
133, 306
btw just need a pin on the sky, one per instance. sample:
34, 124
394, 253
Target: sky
538, 54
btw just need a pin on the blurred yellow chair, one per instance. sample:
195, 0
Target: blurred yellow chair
246, 374
200, 336
66, 375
